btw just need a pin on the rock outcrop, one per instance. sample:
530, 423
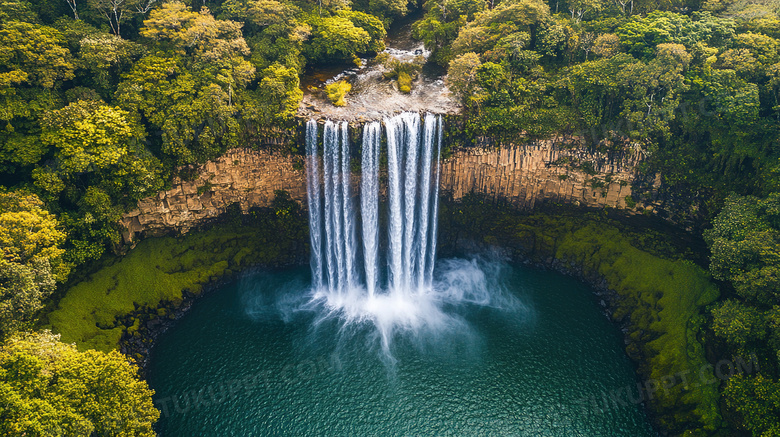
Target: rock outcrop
244, 176
524, 175
545, 171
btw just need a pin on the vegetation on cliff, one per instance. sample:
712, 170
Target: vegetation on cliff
695, 90
102, 101
745, 245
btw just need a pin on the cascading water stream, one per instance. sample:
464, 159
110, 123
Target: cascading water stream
412, 194
369, 203
348, 277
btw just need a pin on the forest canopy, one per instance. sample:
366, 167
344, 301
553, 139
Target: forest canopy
103, 102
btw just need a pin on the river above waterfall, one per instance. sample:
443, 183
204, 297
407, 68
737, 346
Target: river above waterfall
373, 97
248, 360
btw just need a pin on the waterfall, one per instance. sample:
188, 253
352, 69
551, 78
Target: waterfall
313, 198
413, 145
373, 242
369, 203
331, 215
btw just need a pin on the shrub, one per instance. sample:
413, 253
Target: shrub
336, 92
404, 82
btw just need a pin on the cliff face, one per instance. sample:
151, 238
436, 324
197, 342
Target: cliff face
244, 176
523, 175
545, 171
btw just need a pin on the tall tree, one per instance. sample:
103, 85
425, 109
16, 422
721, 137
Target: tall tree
32, 258
49, 389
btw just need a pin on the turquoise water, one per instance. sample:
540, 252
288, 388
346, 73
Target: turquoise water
250, 360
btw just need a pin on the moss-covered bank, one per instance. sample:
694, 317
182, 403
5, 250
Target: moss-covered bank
657, 292
158, 275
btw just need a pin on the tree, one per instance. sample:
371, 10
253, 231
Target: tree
93, 226
33, 54
462, 74
17, 10
642, 34
217, 46
738, 324
99, 149
522, 13
476, 39
188, 90
579, 8
32, 259
48, 389
386, 10
114, 11
606, 45
372, 25
73, 7
336, 38
276, 99
653, 91
505, 19
757, 400
34, 60
89, 135
106, 57
745, 245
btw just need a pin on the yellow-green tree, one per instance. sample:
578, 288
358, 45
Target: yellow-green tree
49, 388
31, 261
89, 135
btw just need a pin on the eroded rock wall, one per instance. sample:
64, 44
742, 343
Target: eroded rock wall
544, 171
524, 175
244, 176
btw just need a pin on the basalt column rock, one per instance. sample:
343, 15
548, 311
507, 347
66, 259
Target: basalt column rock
523, 175
244, 176
543, 171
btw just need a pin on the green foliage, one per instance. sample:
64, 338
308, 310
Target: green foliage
344, 36
404, 82
371, 24
93, 121
441, 24
336, 92
757, 400
385, 10
33, 54
279, 94
88, 135
698, 93
738, 324
32, 258
402, 72
463, 74
48, 388
745, 242
642, 34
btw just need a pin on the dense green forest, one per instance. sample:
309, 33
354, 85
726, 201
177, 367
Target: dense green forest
102, 102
